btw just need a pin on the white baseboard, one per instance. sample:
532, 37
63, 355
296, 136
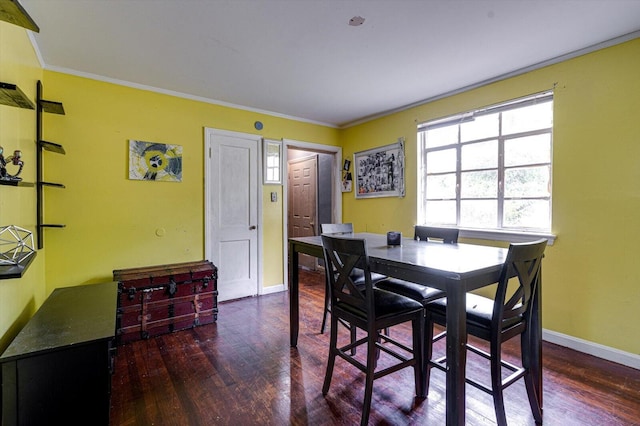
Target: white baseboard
595, 349
273, 289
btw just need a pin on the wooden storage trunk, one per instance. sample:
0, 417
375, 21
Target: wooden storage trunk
154, 300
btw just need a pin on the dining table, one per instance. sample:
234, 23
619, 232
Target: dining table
454, 268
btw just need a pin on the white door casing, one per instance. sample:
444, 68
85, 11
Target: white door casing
232, 217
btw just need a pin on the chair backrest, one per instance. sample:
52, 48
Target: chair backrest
342, 255
447, 235
524, 261
336, 228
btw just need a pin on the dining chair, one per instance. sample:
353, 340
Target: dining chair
370, 309
431, 233
497, 321
357, 274
422, 292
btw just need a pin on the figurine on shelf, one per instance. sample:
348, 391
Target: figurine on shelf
14, 159
3, 163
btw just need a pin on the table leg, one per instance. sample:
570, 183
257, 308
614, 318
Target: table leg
456, 352
294, 296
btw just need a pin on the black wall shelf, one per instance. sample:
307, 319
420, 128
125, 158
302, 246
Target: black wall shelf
11, 95
52, 108
50, 146
56, 185
11, 11
16, 271
15, 183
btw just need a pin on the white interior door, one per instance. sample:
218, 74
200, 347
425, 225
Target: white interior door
231, 185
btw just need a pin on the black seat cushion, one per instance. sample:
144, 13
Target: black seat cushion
479, 311
357, 276
386, 304
415, 291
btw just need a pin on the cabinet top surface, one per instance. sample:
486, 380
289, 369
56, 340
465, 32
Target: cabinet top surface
70, 316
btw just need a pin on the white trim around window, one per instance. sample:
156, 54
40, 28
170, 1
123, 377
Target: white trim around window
502, 235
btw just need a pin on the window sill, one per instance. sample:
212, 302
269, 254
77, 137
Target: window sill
510, 236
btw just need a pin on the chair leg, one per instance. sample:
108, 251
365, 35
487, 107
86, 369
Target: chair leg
427, 352
371, 367
496, 382
525, 348
418, 355
352, 332
333, 344
324, 318
386, 333
327, 298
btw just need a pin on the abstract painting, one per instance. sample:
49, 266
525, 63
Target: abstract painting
155, 161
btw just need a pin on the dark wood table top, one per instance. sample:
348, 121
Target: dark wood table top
70, 316
450, 261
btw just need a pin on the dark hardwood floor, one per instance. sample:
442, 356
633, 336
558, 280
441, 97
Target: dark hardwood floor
242, 371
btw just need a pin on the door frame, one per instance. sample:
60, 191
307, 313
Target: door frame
336, 213
209, 133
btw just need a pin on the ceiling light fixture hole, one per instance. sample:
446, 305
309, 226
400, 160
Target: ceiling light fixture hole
356, 21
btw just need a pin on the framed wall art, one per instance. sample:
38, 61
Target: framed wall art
155, 161
380, 171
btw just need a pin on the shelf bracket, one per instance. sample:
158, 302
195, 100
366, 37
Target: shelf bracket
54, 108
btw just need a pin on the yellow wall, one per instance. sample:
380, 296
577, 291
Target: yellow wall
590, 286
590, 289
272, 229
111, 221
19, 298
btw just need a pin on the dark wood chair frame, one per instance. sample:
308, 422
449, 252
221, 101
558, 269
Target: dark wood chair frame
371, 310
336, 228
333, 229
509, 317
447, 235
339, 229
421, 292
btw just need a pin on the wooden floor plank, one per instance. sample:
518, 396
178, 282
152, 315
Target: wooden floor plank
241, 370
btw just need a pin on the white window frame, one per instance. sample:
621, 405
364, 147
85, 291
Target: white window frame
497, 234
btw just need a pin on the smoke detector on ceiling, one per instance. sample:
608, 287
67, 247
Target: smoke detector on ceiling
356, 21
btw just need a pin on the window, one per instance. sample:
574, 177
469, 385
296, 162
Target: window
272, 162
489, 169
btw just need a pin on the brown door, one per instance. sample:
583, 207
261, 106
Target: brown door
303, 202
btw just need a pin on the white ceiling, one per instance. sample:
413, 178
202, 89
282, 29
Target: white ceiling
300, 58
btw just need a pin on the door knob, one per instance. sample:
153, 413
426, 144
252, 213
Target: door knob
252, 227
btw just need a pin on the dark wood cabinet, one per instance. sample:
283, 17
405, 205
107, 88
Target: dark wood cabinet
58, 368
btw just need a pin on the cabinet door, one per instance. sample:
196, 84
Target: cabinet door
67, 386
